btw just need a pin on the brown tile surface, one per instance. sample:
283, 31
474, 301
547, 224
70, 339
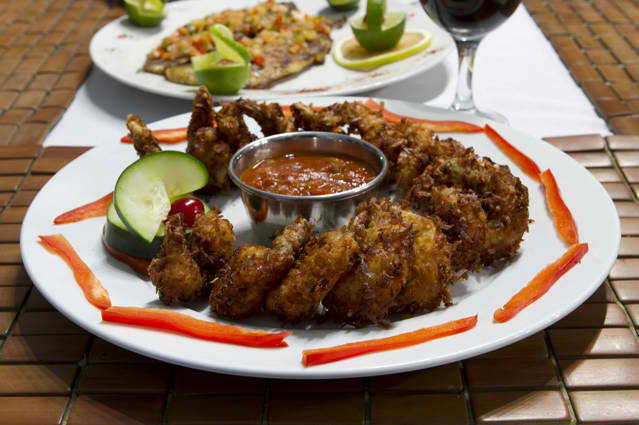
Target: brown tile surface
208, 409
624, 142
633, 311
632, 174
625, 268
629, 225
439, 379
36, 379
37, 302
14, 275
587, 142
392, 409
11, 297
142, 378
626, 290
105, 352
324, 386
592, 159
45, 323
600, 373
510, 373
13, 215
10, 232
594, 315
593, 342
23, 198
41, 410
6, 319
15, 166
513, 407
606, 406
10, 253
193, 381
532, 347
116, 409
44, 348
629, 247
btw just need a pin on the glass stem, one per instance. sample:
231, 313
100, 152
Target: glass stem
464, 96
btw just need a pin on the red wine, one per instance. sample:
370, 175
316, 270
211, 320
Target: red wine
469, 20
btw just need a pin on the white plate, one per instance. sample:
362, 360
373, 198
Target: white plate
120, 48
94, 174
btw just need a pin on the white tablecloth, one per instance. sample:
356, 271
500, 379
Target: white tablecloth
517, 73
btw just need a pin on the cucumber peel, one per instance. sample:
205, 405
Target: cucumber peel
143, 192
118, 236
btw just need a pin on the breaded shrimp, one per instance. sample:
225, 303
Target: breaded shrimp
173, 271
269, 116
211, 242
143, 140
240, 286
366, 294
326, 257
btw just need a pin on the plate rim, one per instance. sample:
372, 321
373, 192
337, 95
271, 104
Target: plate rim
318, 373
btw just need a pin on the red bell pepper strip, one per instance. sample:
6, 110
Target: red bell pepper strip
438, 126
184, 324
541, 283
526, 164
90, 285
166, 137
93, 209
564, 223
340, 352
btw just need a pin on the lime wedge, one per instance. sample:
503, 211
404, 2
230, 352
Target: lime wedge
226, 69
145, 13
379, 32
227, 46
343, 4
350, 54
218, 74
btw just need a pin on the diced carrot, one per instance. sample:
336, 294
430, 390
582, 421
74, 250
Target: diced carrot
526, 164
94, 209
340, 352
564, 222
541, 283
184, 324
258, 60
90, 285
167, 137
437, 126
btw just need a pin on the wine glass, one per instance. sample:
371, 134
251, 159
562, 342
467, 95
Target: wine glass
468, 21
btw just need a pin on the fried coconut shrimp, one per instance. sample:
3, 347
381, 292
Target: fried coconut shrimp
485, 206
173, 271
211, 242
269, 116
430, 277
213, 138
240, 286
366, 294
325, 258
143, 140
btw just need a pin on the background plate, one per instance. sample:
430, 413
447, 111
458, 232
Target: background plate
120, 48
94, 174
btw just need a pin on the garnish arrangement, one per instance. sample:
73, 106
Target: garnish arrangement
394, 257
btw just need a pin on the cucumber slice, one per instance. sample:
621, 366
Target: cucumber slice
143, 192
118, 237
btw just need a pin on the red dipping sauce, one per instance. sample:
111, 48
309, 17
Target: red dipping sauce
308, 174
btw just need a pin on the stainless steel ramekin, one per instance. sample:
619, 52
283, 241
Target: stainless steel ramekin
270, 212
